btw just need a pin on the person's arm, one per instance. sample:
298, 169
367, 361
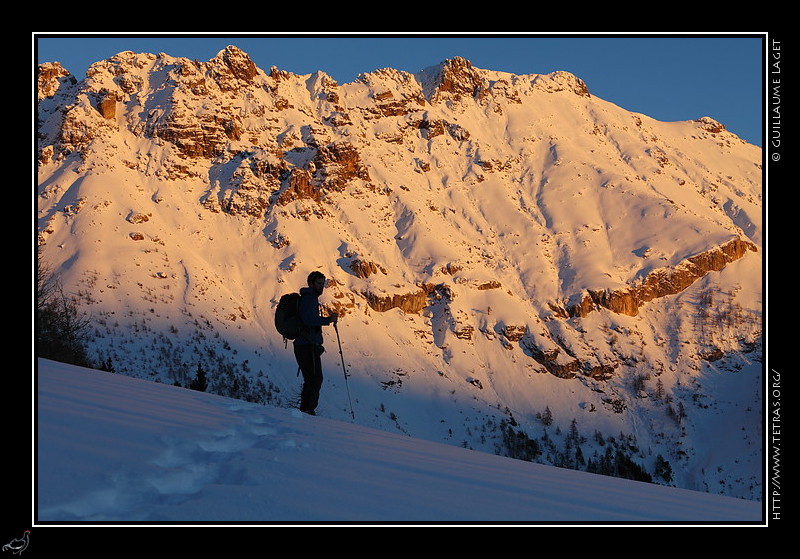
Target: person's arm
309, 313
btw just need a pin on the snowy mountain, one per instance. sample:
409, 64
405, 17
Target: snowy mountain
123, 450
521, 268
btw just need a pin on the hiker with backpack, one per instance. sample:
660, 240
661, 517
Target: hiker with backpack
297, 318
308, 343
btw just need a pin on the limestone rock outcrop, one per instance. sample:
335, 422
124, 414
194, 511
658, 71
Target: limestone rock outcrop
364, 268
50, 77
662, 282
412, 302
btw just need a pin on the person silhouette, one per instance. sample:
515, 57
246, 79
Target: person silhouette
308, 345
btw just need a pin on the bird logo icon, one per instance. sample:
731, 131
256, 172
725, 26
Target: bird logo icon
18, 545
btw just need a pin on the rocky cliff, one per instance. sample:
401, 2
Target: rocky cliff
663, 282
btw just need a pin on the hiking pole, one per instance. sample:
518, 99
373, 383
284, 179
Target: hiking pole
344, 370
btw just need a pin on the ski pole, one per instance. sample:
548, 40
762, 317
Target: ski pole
344, 369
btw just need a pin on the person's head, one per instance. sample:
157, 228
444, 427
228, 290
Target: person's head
316, 281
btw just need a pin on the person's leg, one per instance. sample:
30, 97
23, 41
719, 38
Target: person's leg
311, 367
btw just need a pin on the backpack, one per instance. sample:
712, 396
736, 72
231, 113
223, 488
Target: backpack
287, 316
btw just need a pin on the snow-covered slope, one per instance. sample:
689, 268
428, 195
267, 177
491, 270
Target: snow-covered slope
118, 449
513, 257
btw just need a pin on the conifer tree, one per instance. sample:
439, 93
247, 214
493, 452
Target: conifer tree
200, 381
547, 416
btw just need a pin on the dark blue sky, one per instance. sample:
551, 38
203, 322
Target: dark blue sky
665, 77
